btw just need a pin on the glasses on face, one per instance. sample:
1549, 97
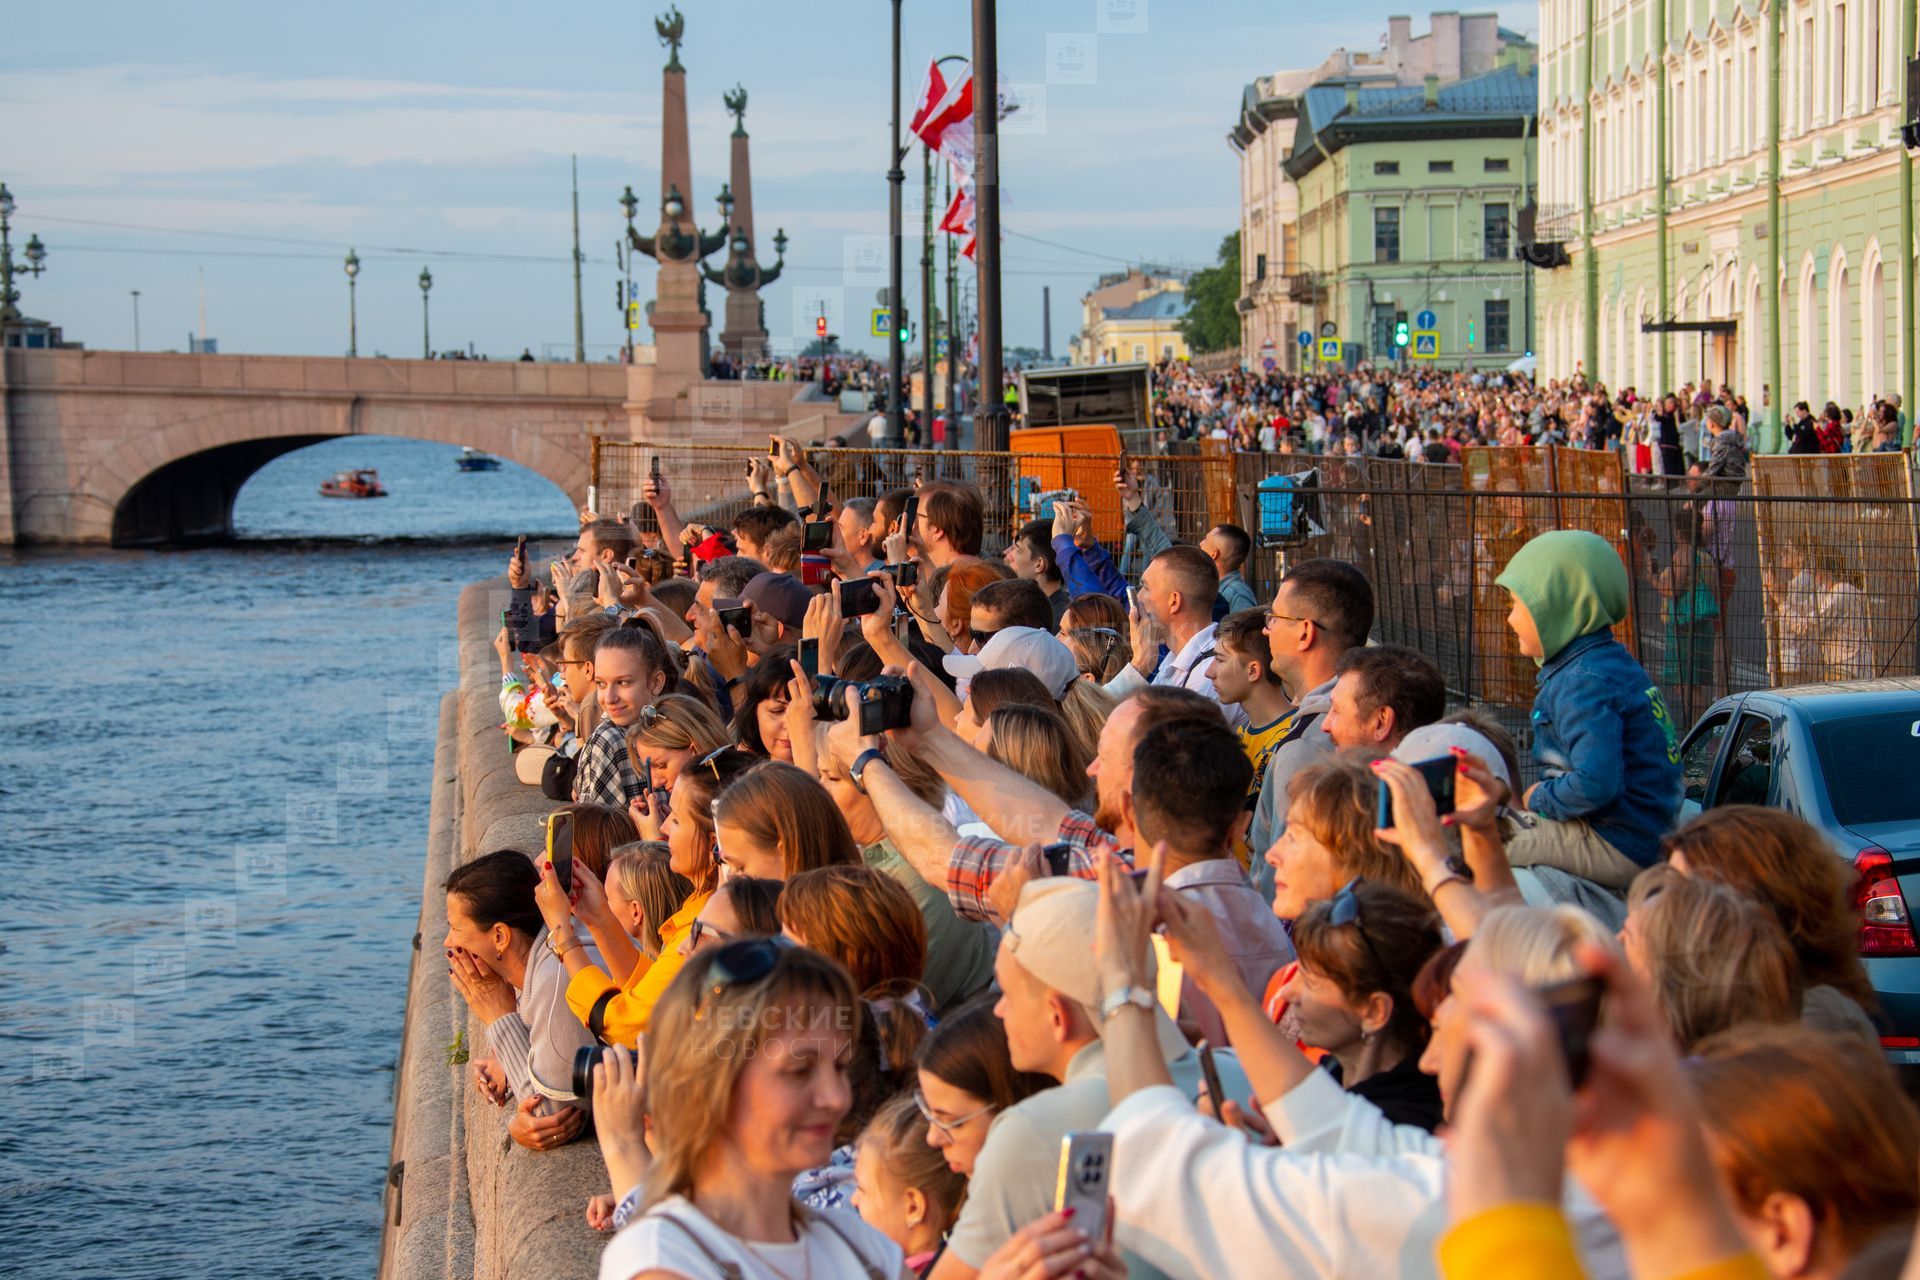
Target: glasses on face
951, 1128
1346, 911
980, 637
701, 929
740, 964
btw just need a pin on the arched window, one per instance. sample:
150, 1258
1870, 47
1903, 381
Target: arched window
1753, 338
1803, 388
1873, 330
1839, 328
1640, 379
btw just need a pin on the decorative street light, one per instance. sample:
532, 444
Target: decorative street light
36, 257
353, 304
674, 205
426, 321
725, 201
629, 205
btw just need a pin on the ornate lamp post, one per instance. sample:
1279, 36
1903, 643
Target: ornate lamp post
629, 205
353, 304
36, 257
426, 321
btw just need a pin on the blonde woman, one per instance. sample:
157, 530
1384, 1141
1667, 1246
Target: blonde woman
1713, 957
1035, 742
752, 1046
670, 734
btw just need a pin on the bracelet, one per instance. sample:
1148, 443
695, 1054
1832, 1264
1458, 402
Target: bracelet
1444, 881
554, 941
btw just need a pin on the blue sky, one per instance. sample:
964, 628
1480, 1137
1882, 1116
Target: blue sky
438, 135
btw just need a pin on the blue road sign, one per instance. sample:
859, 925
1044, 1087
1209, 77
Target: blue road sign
1305, 339
1426, 320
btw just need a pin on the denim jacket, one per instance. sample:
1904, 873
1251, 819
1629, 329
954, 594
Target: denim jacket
1607, 745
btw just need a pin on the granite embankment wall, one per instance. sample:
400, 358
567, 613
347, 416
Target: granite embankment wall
463, 1200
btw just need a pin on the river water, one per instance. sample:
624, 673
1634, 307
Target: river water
214, 792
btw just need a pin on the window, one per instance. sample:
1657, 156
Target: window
1864, 761
1139, 351
1439, 166
1386, 235
1385, 168
1495, 235
1260, 267
1501, 165
1499, 325
1696, 764
1749, 774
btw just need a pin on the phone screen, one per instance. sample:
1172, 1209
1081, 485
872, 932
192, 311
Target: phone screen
810, 658
1210, 1071
858, 597
739, 618
560, 848
816, 535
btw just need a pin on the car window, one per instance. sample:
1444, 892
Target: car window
1749, 774
1696, 766
1868, 764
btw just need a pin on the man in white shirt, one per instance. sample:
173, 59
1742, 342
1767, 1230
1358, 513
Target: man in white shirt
1176, 595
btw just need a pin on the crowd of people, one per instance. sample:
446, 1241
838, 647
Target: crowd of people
885, 877
1430, 415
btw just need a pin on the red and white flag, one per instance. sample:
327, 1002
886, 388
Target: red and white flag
944, 107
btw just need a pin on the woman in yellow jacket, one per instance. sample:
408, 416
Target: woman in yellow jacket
616, 1003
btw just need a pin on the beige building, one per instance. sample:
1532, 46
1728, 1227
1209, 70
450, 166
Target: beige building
1456, 46
1129, 317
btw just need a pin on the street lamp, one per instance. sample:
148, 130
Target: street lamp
36, 257
426, 323
725, 201
353, 304
629, 205
674, 205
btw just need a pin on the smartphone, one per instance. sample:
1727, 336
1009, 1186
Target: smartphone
913, 514
1439, 774
1086, 1163
816, 535
655, 469
737, 617
1059, 858
520, 549
646, 776
858, 597
810, 658
1574, 1006
560, 848
773, 446
1210, 1072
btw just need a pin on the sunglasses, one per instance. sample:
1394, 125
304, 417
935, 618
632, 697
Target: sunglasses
701, 929
1346, 911
740, 964
711, 760
949, 1127
980, 637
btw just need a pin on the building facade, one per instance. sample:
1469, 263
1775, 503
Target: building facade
1408, 204
1675, 112
1134, 316
1271, 303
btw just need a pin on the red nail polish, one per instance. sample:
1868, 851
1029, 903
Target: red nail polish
1458, 751
1068, 1212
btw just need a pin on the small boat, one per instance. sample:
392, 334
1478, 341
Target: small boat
353, 484
472, 459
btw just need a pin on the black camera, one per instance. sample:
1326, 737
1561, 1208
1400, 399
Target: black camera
905, 574
886, 702
584, 1061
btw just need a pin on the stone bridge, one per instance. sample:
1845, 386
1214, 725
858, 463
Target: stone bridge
140, 449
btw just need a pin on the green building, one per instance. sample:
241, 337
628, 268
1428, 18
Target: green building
1409, 203
1727, 186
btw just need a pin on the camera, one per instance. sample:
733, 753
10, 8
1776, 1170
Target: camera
905, 574
886, 702
584, 1061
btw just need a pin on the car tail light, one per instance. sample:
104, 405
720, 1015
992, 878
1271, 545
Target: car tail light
1885, 927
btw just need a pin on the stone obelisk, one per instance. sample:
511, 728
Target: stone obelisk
679, 325
745, 335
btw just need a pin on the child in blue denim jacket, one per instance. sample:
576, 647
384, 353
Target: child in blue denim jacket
1601, 730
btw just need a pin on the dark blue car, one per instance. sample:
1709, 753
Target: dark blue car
1846, 757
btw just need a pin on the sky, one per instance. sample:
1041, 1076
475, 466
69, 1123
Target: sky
237, 150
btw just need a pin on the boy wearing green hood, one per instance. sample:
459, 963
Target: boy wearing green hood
1601, 731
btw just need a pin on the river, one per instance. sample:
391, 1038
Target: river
209, 921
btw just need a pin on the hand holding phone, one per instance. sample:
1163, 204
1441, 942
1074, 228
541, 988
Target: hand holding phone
1086, 1168
560, 849
1438, 773
858, 597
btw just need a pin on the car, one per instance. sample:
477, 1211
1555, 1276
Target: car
1846, 757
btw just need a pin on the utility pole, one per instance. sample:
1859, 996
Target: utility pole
990, 412
1663, 361
579, 309
1770, 429
953, 335
136, 319
1589, 265
1046, 322
896, 303
926, 295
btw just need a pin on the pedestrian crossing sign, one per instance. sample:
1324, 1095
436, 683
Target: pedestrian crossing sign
1329, 351
1426, 344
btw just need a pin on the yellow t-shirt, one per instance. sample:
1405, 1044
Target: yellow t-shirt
625, 1018
1259, 744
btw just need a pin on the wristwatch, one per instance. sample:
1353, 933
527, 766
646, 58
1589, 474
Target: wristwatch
1139, 997
860, 764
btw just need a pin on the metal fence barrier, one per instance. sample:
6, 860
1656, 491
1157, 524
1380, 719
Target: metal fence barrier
1810, 571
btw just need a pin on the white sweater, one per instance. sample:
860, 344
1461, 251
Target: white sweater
1350, 1195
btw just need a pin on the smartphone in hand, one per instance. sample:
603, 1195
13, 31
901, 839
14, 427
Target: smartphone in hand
1438, 773
560, 848
858, 597
1086, 1166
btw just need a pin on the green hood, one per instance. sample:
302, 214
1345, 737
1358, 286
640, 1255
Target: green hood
1573, 584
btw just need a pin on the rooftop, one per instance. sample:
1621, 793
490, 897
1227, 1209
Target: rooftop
1502, 95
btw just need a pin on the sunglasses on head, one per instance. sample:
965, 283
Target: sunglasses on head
1345, 910
711, 760
740, 964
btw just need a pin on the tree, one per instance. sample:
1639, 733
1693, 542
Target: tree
1212, 322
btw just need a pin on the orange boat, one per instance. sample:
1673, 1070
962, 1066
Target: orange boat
353, 484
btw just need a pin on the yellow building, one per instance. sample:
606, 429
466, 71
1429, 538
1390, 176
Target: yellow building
1132, 317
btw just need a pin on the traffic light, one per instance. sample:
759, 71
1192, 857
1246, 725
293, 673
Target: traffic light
906, 331
1469, 331
1400, 336
820, 327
